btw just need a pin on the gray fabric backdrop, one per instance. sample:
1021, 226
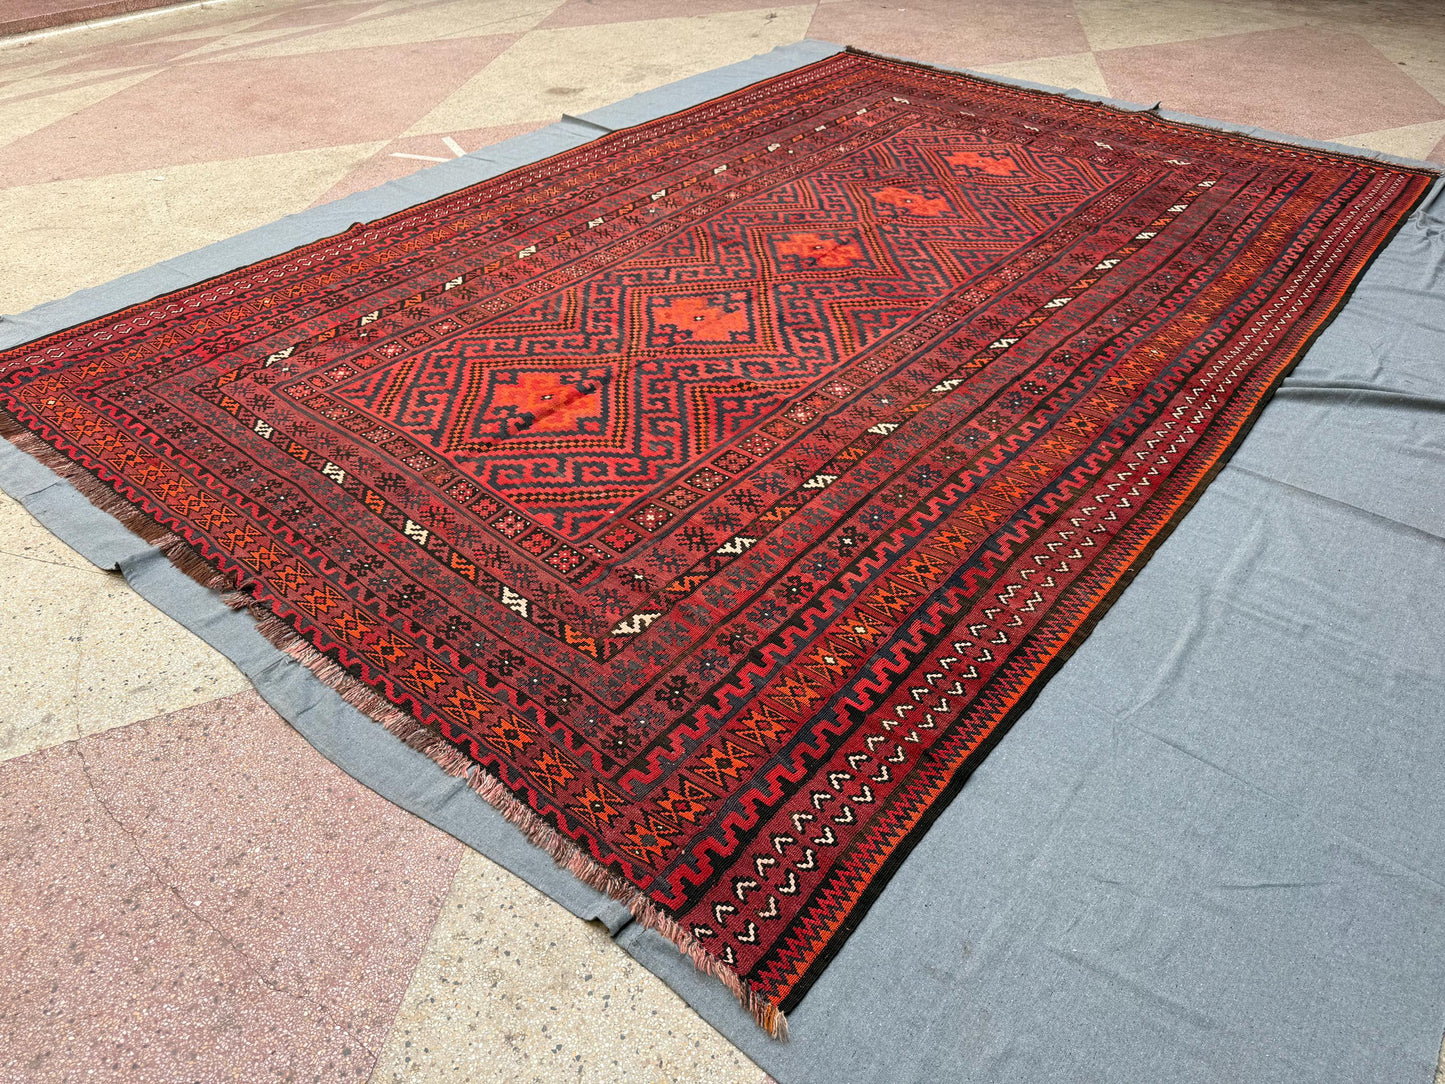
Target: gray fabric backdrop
1214, 848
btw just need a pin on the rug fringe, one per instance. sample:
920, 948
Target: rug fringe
571, 858
537, 831
415, 735
86, 484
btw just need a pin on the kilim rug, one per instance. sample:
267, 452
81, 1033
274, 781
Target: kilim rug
713, 495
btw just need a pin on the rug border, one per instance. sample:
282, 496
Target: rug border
656, 104
905, 846
889, 867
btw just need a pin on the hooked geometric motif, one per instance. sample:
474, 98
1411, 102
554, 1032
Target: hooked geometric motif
714, 494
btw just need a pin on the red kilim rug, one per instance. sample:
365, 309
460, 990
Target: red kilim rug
713, 495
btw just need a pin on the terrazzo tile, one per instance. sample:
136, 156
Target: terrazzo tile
1411, 141
436, 21
1414, 45
316, 15
144, 54
238, 15
17, 64
22, 536
22, 115
964, 33
203, 898
572, 70
80, 652
1118, 24
244, 108
50, 82
67, 235
597, 12
385, 165
236, 43
1079, 71
513, 988
1294, 83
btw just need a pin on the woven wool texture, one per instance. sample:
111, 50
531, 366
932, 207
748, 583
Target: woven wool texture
713, 495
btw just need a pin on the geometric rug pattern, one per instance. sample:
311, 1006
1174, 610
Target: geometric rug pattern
413, 83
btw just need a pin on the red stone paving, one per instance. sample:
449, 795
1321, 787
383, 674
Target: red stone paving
1322, 84
203, 897
22, 16
202, 112
965, 33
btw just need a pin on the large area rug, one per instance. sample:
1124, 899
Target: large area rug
713, 495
